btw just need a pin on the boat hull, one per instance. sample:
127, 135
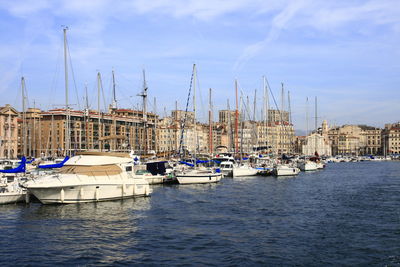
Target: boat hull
308, 166
89, 193
199, 178
243, 172
291, 171
9, 198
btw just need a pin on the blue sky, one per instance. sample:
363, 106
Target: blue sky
346, 53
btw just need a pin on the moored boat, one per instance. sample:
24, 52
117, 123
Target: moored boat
90, 177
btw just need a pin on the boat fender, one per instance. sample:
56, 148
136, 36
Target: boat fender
96, 194
82, 193
123, 189
62, 195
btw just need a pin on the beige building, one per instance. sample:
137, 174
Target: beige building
226, 116
8, 132
278, 115
391, 137
277, 136
355, 140
120, 130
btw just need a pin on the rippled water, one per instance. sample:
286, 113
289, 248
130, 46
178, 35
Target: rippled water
347, 214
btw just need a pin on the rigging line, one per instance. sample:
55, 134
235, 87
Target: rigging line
102, 92
73, 76
186, 110
276, 105
246, 109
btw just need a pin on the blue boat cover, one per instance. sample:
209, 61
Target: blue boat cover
57, 165
20, 168
187, 163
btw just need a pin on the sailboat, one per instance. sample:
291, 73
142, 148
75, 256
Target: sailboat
196, 175
285, 168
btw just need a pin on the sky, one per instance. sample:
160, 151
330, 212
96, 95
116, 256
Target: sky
345, 53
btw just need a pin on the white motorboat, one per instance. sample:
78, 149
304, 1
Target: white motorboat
90, 177
244, 170
10, 190
151, 179
307, 165
285, 170
196, 176
229, 168
226, 168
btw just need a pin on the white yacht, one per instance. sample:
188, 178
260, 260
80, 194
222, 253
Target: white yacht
151, 179
307, 165
198, 176
285, 170
90, 177
231, 169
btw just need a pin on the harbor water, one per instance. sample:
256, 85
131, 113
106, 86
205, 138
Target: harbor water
346, 214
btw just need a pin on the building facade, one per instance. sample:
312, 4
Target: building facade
391, 138
8, 132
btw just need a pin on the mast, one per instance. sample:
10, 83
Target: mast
316, 126
114, 98
99, 130
210, 121
236, 120
255, 105
194, 111
229, 128
9, 134
289, 108
67, 121
155, 125
307, 131
86, 117
265, 88
144, 110
282, 99
290, 122
113, 108
23, 116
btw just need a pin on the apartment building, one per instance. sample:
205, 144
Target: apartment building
8, 132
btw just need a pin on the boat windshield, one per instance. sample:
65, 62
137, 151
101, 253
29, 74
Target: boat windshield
100, 170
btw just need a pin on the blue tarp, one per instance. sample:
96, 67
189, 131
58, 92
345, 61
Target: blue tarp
57, 165
187, 163
20, 168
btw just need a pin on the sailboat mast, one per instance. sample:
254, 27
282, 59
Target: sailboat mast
9, 134
194, 111
236, 120
86, 118
144, 95
98, 110
229, 128
67, 131
282, 99
307, 130
114, 100
265, 88
210, 125
316, 126
155, 125
23, 116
